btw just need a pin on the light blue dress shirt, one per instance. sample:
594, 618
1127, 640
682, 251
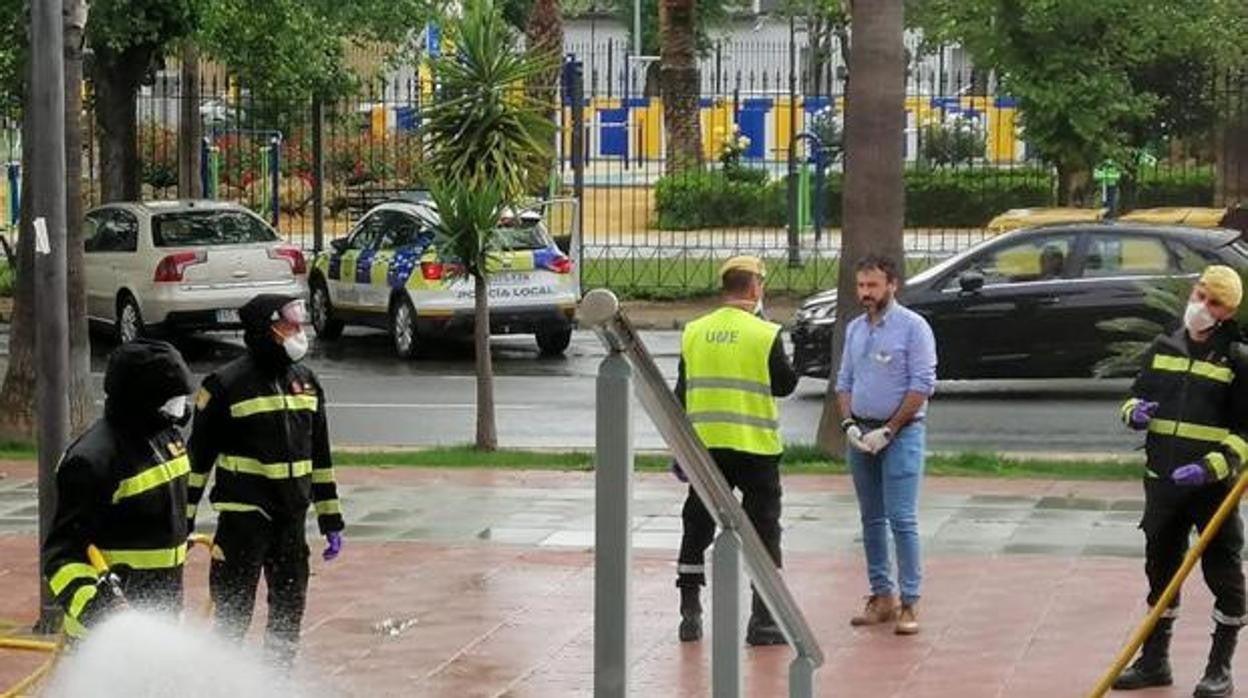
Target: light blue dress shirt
884, 361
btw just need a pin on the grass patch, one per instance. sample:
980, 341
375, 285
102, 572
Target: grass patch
696, 275
800, 459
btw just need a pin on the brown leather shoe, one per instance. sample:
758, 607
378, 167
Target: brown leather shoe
879, 609
907, 620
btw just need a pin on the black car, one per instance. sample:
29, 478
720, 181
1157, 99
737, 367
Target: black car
1026, 304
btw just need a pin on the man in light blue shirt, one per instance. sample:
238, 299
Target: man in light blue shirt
888, 372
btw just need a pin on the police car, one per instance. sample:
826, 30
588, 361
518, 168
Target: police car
388, 274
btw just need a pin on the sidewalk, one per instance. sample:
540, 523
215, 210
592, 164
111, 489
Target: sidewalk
1031, 588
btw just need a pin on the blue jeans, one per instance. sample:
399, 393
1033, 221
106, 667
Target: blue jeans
887, 485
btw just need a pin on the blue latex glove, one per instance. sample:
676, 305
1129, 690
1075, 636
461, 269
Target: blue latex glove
1190, 475
335, 546
678, 472
1141, 414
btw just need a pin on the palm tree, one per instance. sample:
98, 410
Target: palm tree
678, 73
874, 194
488, 139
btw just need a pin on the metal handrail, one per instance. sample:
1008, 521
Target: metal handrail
600, 311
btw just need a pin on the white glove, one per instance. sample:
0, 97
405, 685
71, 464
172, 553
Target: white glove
877, 440
854, 434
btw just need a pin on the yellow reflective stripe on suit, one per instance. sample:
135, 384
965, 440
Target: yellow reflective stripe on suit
81, 598
274, 403
68, 573
1237, 446
158, 559
1127, 406
1187, 430
1204, 369
1218, 465
73, 628
272, 471
327, 507
322, 476
152, 478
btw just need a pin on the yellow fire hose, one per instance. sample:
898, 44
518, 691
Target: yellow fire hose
55, 647
1230, 504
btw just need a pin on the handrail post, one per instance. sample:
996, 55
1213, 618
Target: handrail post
726, 615
613, 493
801, 677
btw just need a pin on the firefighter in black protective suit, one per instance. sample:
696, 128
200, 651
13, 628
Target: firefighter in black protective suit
122, 487
1190, 399
260, 421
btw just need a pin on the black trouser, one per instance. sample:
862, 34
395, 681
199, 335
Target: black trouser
250, 542
1170, 513
157, 590
758, 478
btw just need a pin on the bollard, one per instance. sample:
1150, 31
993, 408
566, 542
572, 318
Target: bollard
613, 494
726, 615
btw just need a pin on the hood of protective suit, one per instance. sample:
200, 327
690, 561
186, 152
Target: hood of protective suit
141, 377
258, 316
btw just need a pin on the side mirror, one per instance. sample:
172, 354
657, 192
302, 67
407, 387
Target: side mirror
339, 245
971, 281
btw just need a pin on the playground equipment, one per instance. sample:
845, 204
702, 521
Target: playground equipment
109, 583
270, 174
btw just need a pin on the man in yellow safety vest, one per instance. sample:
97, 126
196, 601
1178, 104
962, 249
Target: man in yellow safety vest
732, 368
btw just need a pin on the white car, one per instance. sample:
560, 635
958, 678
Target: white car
182, 265
388, 274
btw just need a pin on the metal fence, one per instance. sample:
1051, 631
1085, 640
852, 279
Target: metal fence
765, 188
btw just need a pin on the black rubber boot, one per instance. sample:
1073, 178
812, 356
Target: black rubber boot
1217, 681
762, 630
1153, 666
690, 614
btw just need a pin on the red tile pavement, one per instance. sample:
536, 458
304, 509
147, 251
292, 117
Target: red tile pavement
499, 620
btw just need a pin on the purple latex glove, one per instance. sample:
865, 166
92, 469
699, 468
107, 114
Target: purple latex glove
335, 545
1190, 474
1141, 414
679, 472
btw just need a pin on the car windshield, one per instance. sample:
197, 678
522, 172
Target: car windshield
197, 228
523, 234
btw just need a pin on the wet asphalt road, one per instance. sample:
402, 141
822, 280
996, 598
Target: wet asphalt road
377, 400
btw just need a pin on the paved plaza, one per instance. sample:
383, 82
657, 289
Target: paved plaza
1031, 587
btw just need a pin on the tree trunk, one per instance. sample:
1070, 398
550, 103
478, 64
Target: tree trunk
874, 194
17, 399
81, 404
190, 128
116, 117
544, 32
1073, 185
487, 431
680, 84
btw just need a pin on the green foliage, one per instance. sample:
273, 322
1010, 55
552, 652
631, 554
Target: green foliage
934, 199
484, 127
1153, 188
969, 199
957, 141
468, 217
695, 199
12, 55
710, 14
116, 28
8, 280
288, 49
1093, 80
158, 151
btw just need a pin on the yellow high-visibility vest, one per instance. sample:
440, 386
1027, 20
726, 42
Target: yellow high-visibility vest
728, 382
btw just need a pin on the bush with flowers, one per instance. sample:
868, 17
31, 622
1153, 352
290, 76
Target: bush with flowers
958, 139
732, 147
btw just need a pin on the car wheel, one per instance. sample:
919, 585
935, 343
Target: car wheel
403, 327
323, 321
554, 343
129, 324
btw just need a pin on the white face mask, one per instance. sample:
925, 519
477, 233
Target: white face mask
174, 407
1197, 318
296, 345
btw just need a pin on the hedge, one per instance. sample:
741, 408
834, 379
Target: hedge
935, 198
